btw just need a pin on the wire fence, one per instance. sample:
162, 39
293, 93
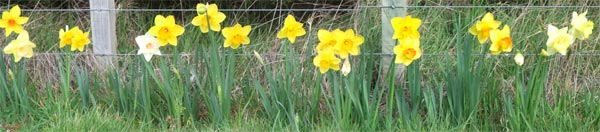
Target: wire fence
356, 8
292, 10
362, 54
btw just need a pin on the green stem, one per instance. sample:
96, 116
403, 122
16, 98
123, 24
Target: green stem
392, 85
315, 96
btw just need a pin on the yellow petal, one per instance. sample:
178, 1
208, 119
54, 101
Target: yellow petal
154, 30
227, 33
246, 40
289, 20
196, 21
246, 30
218, 17
292, 39
7, 31
15, 11
204, 29
159, 20
215, 27
488, 17
177, 30
21, 20
212, 8
323, 35
227, 43
172, 40
301, 31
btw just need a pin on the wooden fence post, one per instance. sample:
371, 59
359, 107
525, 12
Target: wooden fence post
104, 35
387, 43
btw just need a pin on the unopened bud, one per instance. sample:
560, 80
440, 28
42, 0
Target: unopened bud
346, 68
201, 8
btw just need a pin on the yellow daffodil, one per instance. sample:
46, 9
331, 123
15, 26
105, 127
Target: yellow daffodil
148, 46
519, 59
407, 51
214, 16
349, 43
291, 29
74, 37
20, 47
482, 28
166, 30
236, 35
12, 21
405, 27
66, 37
80, 41
558, 40
501, 40
581, 27
326, 60
346, 68
327, 40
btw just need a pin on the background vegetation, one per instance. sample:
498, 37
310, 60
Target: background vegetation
287, 93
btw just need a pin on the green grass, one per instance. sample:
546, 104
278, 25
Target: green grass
450, 90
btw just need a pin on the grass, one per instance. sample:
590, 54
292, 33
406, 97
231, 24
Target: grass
449, 90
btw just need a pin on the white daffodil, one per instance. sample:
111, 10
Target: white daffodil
581, 26
148, 46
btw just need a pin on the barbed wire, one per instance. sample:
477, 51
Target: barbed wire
305, 10
302, 55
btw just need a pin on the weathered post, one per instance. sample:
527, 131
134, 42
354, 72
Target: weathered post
387, 43
104, 36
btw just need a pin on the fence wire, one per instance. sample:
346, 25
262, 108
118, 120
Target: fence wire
362, 54
303, 10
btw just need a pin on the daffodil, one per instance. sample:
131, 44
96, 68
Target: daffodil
407, 51
326, 60
327, 40
166, 30
236, 35
66, 36
74, 37
519, 59
558, 40
405, 27
291, 29
80, 41
349, 43
501, 40
214, 17
581, 27
12, 21
20, 47
482, 28
346, 68
148, 46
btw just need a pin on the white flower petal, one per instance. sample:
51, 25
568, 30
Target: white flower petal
148, 57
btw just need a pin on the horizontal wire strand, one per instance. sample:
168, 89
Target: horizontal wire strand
306, 10
364, 54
